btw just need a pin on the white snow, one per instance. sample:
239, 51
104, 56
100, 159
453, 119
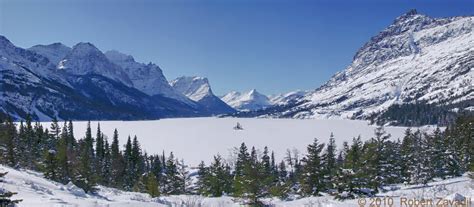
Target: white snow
37, 191
199, 139
251, 100
195, 88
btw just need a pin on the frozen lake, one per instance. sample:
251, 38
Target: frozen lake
196, 139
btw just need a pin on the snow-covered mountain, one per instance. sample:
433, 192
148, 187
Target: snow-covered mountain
199, 90
83, 85
54, 52
286, 98
248, 101
416, 58
147, 78
85, 58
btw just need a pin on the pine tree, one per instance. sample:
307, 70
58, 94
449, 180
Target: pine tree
117, 162
55, 129
376, 155
99, 155
129, 171
152, 186
329, 162
185, 178
85, 178
137, 162
243, 160
64, 167
203, 180
312, 180
157, 168
350, 177
418, 168
29, 145
173, 184
281, 187
438, 148
107, 165
50, 166
268, 176
8, 141
215, 180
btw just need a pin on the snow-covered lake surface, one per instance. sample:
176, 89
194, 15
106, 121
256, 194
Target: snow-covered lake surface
197, 139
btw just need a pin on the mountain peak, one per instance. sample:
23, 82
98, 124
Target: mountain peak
199, 90
55, 52
194, 87
411, 12
116, 56
85, 48
4, 42
251, 100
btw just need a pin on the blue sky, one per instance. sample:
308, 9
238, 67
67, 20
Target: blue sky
273, 46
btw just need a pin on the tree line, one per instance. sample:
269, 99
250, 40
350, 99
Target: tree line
359, 168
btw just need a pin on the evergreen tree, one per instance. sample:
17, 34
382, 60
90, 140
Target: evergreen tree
243, 160
437, 149
107, 165
85, 178
129, 165
329, 162
215, 180
312, 178
173, 183
64, 167
117, 162
152, 186
8, 135
99, 155
137, 163
55, 129
203, 183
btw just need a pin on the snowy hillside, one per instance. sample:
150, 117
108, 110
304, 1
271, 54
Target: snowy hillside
251, 100
37, 191
416, 58
286, 98
199, 90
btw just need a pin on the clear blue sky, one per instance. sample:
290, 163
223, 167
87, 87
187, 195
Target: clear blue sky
273, 46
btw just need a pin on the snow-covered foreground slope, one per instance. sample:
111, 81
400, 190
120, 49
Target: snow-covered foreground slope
40, 192
196, 139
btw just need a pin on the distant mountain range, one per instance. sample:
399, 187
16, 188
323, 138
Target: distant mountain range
415, 59
82, 83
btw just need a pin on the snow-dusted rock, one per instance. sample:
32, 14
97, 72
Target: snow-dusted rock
199, 90
147, 78
248, 101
